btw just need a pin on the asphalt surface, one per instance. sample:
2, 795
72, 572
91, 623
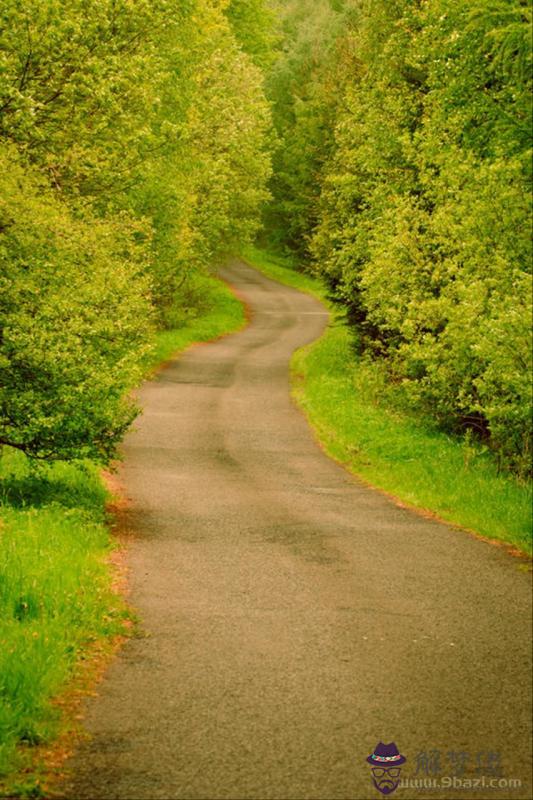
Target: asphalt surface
293, 617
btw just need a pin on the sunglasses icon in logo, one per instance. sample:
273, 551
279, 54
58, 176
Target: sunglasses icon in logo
386, 763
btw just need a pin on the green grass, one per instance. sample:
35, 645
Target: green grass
353, 413
56, 595
55, 592
282, 268
213, 312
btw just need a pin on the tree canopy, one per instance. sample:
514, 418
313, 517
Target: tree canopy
141, 142
134, 152
404, 178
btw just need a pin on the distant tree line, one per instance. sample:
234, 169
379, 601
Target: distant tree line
134, 152
404, 176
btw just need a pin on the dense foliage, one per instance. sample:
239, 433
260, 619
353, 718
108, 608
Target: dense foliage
134, 139
73, 305
134, 154
405, 174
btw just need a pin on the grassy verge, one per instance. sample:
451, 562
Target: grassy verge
353, 414
56, 584
213, 311
56, 598
282, 269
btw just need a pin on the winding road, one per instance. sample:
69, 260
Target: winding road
292, 616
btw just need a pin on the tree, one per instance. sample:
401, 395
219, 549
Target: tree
74, 322
415, 208
134, 140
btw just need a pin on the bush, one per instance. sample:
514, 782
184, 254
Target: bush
74, 322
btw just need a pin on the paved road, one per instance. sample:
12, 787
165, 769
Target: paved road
294, 617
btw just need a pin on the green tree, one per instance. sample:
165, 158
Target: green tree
134, 140
414, 198
204, 191
74, 322
253, 24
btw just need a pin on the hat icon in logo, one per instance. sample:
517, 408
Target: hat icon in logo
386, 761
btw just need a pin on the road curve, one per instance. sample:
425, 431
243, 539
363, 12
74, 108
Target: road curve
293, 617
